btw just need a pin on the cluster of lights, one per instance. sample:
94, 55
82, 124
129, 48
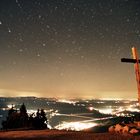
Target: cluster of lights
10, 105
117, 111
31, 111
67, 101
53, 113
106, 111
76, 126
91, 108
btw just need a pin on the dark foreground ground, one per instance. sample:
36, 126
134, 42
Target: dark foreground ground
62, 135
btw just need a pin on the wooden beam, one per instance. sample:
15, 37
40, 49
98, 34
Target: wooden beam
137, 71
128, 60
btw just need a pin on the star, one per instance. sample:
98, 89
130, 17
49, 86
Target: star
43, 44
20, 50
9, 30
38, 55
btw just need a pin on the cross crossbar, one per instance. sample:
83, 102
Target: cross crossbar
128, 60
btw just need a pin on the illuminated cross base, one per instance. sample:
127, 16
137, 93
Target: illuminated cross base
136, 62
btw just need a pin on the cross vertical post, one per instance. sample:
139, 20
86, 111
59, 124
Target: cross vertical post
137, 70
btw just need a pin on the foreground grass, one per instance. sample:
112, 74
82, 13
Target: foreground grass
62, 135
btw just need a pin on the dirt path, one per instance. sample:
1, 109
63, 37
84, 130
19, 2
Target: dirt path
61, 135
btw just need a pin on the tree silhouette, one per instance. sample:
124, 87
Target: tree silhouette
40, 121
21, 119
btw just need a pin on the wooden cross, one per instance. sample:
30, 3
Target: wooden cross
136, 62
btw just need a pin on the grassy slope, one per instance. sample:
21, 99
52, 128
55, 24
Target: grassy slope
62, 135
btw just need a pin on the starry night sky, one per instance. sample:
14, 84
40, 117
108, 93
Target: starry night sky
68, 48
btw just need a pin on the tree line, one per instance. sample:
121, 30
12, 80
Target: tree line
21, 119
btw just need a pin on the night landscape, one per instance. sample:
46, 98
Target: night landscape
61, 70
